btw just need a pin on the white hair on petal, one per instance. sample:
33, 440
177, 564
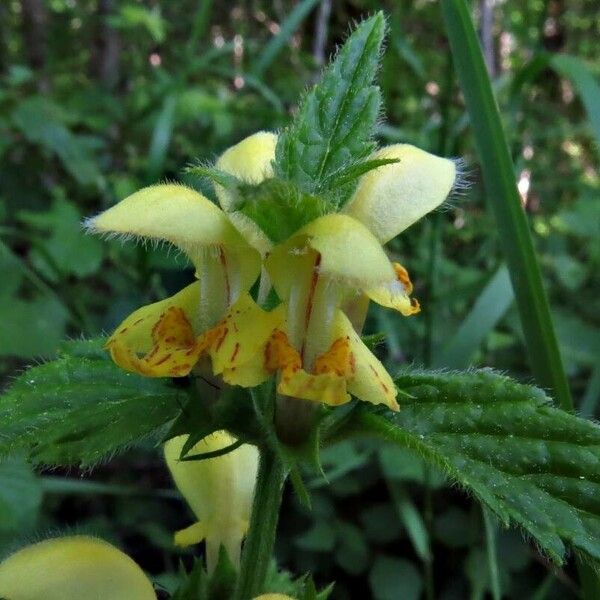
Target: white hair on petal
463, 182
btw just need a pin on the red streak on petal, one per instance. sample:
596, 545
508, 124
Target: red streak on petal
223, 260
163, 359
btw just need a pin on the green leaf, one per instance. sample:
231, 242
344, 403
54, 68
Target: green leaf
81, 409
353, 552
193, 584
132, 16
503, 196
20, 495
492, 553
587, 86
222, 581
412, 520
353, 171
215, 175
161, 138
35, 327
42, 122
319, 538
337, 117
488, 309
533, 465
62, 248
392, 578
279, 208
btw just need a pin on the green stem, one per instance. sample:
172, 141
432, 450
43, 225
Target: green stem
258, 548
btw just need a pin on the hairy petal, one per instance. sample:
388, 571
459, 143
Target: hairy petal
349, 254
391, 198
181, 216
369, 380
396, 294
71, 568
249, 161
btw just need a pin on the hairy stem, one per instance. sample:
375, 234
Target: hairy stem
258, 547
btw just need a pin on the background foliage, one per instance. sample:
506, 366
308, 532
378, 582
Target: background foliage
99, 98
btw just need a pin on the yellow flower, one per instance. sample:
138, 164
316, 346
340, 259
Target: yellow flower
167, 338
325, 274
72, 568
334, 262
219, 491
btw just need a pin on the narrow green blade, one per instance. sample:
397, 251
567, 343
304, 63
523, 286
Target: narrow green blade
501, 190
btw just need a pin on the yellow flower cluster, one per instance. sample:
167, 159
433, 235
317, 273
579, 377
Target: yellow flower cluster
324, 276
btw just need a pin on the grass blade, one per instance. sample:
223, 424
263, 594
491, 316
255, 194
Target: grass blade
517, 245
501, 190
490, 306
288, 27
161, 139
588, 89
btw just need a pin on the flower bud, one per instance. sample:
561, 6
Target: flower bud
72, 568
219, 491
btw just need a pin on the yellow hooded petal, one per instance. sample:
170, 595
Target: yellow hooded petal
181, 216
249, 160
393, 197
218, 490
73, 568
396, 294
368, 381
347, 252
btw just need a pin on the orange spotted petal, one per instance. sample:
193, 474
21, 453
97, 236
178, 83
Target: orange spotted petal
238, 350
369, 380
396, 293
174, 352
326, 386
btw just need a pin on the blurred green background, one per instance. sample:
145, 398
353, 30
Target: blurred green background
101, 97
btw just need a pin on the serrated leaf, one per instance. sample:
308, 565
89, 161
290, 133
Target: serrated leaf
278, 208
534, 465
215, 175
81, 409
337, 117
193, 584
353, 171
